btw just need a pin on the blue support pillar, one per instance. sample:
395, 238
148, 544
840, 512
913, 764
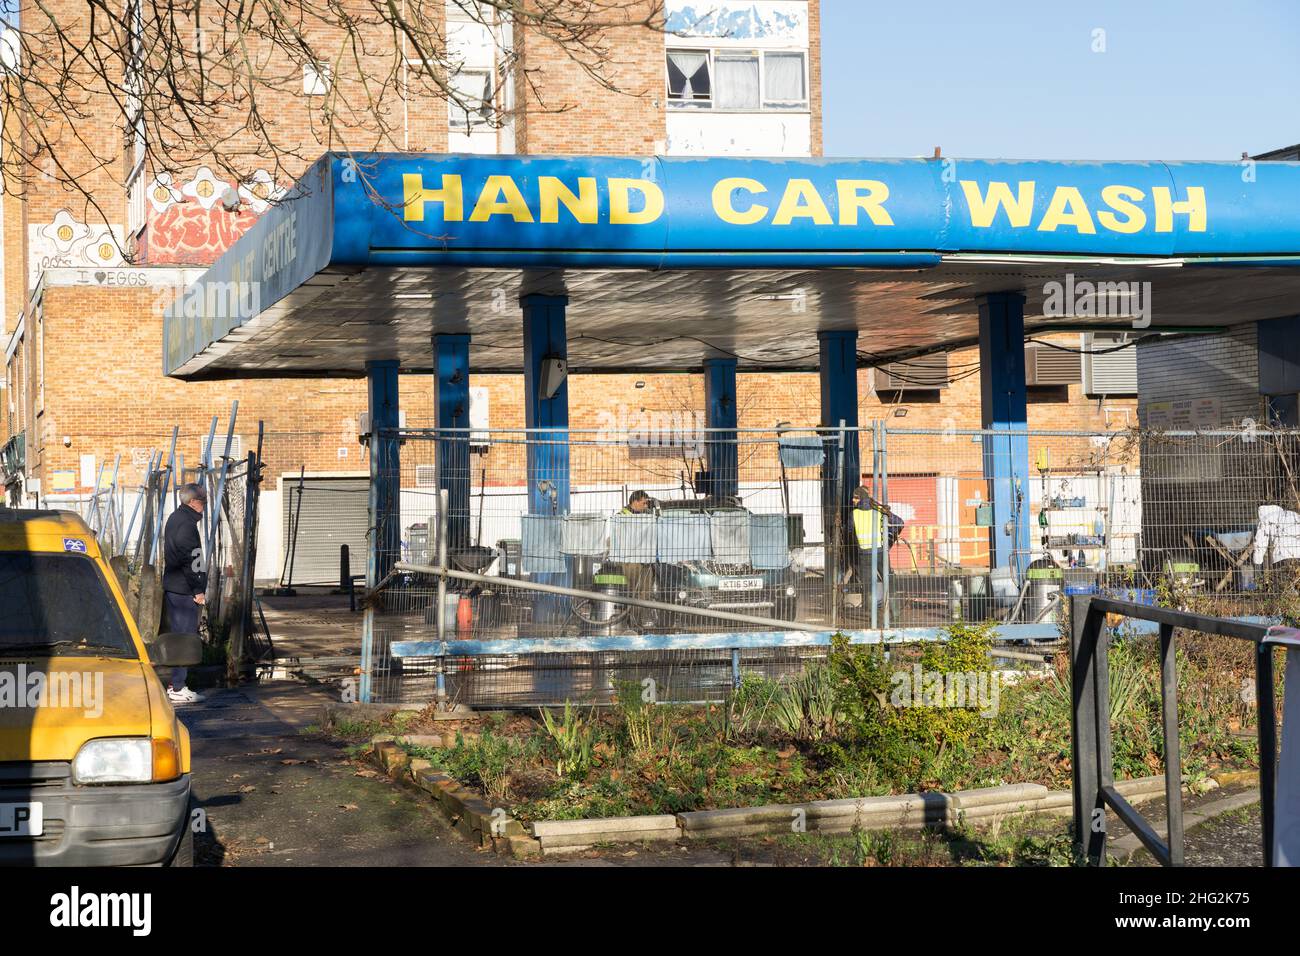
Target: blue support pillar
451, 402
385, 471
547, 417
839, 388
842, 469
1003, 409
545, 337
721, 458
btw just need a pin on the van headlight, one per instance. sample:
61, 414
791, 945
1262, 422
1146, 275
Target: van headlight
114, 760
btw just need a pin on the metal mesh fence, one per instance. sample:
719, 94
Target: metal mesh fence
759, 524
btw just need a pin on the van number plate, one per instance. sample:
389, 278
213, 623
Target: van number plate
21, 820
740, 584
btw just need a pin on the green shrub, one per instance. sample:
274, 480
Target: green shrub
909, 735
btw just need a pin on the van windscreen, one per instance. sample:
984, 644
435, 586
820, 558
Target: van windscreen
53, 603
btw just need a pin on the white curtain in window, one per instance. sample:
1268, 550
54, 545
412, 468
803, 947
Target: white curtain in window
688, 75
784, 77
737, 82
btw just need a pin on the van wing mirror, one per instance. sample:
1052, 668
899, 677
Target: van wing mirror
176, 650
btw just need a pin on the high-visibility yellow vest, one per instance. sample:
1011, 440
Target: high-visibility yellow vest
871, 526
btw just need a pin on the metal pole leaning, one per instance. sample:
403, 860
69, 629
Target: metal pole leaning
767, 623
444, 500
882, 437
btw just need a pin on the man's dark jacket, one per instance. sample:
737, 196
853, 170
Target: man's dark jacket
183, 553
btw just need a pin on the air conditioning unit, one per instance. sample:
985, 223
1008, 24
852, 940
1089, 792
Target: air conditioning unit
1114, 370
1045, 365
235, 453
426, 476
479, 438
363, 423
923, 372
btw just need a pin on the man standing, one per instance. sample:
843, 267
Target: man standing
185, 582
640, 577
871, 528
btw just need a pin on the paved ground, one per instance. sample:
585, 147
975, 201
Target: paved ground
315, 635
1232, 837
277, 794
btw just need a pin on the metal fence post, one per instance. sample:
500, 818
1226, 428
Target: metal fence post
1089, 812
1267, 743
1173, 759
735, 668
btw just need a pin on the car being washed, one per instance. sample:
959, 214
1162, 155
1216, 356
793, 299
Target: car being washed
94, 765
742, 577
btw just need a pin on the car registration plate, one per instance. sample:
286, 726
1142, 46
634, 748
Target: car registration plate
740, 584
21, 820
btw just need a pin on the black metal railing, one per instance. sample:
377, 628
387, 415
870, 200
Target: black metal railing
1094, 781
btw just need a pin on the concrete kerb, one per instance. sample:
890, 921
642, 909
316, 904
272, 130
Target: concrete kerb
490, 827
468, 813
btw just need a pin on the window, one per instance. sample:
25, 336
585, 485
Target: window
783, 81
737, 79
58, 600
738, 85
316, 78
137, 144
472, 104
688, 76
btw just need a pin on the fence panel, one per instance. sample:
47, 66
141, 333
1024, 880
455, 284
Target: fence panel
1160, 518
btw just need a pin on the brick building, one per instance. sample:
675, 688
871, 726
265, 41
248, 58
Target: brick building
82, 323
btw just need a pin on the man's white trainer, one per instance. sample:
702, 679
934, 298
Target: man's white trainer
183, 696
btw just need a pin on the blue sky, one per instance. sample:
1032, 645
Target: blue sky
1179, 79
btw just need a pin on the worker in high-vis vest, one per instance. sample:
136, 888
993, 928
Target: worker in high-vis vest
640, 577
871, 528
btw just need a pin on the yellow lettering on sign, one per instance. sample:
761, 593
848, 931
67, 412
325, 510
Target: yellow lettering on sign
722, 196
1118, 198
620, 213
500, 197
1193, 207
414, 196
984, 207
584, 207
1067, 208
802, 201
873, 203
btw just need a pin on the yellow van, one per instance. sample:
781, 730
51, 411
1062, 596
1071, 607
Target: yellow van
94, 765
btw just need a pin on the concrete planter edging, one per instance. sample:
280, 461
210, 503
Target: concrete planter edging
468, 813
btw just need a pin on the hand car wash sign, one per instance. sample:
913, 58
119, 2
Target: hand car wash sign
388, 209
798, 200
800, 214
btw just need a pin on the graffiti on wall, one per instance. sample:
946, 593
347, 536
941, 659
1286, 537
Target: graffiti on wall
196, 220
68, 243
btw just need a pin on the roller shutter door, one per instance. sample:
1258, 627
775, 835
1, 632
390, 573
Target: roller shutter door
915, 499
335, 511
